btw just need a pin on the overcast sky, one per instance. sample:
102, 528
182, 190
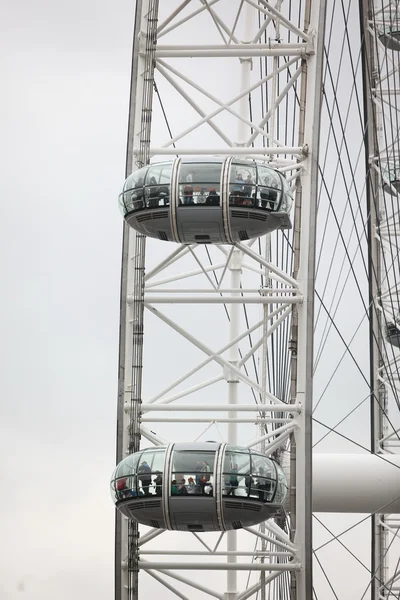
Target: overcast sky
65, 90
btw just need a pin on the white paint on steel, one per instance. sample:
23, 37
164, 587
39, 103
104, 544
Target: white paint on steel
255, 264
358, 483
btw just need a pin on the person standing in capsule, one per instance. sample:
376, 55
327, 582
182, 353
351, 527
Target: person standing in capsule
145, 477
205, 475
233, 480
191, 486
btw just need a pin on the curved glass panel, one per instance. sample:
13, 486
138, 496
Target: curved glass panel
252, 475
139, 474
192, 473
240, 449
132, 196
282, 486
131, 200
391, 22
236, 473
158, 185
200, 184
148, 187
269, 177
150, 472
135, 180
269, 191
286, 203
123, 484
242, 184
263, 476
391, 172
287, 197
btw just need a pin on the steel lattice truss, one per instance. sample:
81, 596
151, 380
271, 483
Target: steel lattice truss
216, 341
384, 90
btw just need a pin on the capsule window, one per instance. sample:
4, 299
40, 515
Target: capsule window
123, 484
135, 180
281, 489
263, 478
150, 472
192, 473
122, 204
200, 184
242, 185
391, 22
158, 185
391, 174
236, 474
139, 474
269, 193
148, 187
132, 197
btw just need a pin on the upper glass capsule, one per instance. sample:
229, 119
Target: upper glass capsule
393, 333
206, 200
391, 172
389, 25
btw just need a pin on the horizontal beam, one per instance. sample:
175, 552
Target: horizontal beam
218, 553
261, 291
214, 566
289, 408
255, 420
386, 92
220, 299
227, 151
230, 50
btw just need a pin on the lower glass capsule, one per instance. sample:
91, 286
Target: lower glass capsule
199, 487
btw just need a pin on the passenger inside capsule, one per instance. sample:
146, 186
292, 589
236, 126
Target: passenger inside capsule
246, 474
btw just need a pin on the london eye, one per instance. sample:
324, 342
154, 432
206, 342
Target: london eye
258, 421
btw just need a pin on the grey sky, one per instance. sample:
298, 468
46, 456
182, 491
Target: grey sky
65, 86
65, 73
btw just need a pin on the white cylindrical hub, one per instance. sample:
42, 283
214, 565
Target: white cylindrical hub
356, 483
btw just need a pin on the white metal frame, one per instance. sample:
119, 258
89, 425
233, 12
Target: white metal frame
385, 226
301, 69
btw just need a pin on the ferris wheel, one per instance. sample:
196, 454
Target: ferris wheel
258, 427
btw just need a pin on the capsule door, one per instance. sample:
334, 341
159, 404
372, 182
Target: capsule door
198, 199
192, 501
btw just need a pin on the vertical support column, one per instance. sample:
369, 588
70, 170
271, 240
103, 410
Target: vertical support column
373, 196
130, 378
235, 266
235, 269
264, 383
132, 284
305, 223
246, 67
